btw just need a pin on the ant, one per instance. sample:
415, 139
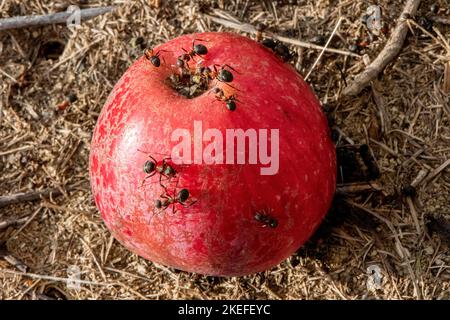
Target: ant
166, 199
230, 101
222, 74
151, 167
153, 57
278, 48
265, 219
196, 50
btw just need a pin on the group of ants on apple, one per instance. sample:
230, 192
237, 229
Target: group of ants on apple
200, 79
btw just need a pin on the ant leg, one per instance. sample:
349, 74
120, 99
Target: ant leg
225, 65
193, 41
154, 160
147, 177
154, 214
226, 83
175, 196
160, 181
174, 210
230, 67
165, 194
190, 57
188, 205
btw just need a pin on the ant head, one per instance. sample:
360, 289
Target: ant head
148, 53
183, 195
200, 49
225, 75
155, 61
158, 204
273, 223
149, 167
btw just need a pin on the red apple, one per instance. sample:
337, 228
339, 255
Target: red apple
239, 218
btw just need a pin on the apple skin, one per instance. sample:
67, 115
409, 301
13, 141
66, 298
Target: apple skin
218, 235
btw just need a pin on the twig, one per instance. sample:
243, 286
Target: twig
245, 27
31, 218
435, 172
12, 221
441, 20
419, 178
16, 263
33, 195
60, 17
95, 259
338, 24
446, 81
44, 277
8, 257
389, 52
414, 215
352, 188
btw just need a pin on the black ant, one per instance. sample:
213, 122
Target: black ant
230, 101
221, 74
278, 48
265, 219
153, 57
151, 167
196, 50
166, 199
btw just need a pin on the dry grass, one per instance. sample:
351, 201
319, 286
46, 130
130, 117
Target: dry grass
405, 117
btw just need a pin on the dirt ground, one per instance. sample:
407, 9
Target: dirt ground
404, 116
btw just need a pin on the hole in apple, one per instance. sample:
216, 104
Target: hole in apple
189, 83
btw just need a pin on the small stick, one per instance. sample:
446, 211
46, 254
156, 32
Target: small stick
10, 222
446, 81
6, 255
435, 172
60, 279
338, 24
419, 178
16, 263
389, 52
60, 17
352, 188
32, 195
441, 20
245, 27
414, 215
